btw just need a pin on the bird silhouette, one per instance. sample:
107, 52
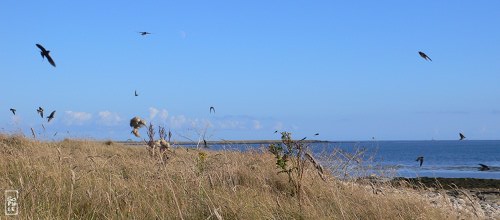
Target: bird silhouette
46, 53
461, 136
483, 167
51, 116
212, 108
423, 55
143, 33
316, 134
135, 93
205, 143
303, 138
421, 159
276, 131
40, 111
169, 135
13, 111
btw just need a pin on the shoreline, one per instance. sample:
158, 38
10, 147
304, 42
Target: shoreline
480, 197
451, 183
221, 142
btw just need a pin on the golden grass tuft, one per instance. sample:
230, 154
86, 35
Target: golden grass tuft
79, 179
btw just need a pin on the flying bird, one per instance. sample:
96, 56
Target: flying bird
421, 159
40, 111
51, 116
303, 138
143, 33
483, 167
316, 134
461, 136
13, 111
276, 131
45, 53
212, 108
423, 55
135, 93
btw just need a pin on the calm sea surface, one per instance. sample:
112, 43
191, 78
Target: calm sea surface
397, 158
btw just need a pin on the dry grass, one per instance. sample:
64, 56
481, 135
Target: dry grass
94, 180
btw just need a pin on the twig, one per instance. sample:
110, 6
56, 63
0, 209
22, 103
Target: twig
33, 133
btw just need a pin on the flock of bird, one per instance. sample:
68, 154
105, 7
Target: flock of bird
482, 167
40, 112
137, 122
45, 54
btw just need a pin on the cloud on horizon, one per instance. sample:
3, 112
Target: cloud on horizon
162, 114
444, 112
108, 118
257, 125
76, 118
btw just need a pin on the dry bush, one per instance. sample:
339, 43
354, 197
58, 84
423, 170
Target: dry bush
79, 179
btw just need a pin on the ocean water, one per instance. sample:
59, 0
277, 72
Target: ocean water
451, 159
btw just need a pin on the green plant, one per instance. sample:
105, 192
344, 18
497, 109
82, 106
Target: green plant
290, 159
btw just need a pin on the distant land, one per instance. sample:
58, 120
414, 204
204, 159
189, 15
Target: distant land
224, 142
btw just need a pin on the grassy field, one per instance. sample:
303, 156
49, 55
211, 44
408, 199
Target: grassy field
78, 179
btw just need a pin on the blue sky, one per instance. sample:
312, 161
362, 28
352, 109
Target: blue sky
347, 70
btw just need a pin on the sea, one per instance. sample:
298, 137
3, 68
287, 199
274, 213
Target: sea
442, 158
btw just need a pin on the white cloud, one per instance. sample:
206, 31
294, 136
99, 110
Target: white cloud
278, 126
163, 114
109, 118
181, 121
257, 125
178, 121
231, 124
76, 118
153, 112
197, 123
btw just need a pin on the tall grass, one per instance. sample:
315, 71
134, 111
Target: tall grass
79, 179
